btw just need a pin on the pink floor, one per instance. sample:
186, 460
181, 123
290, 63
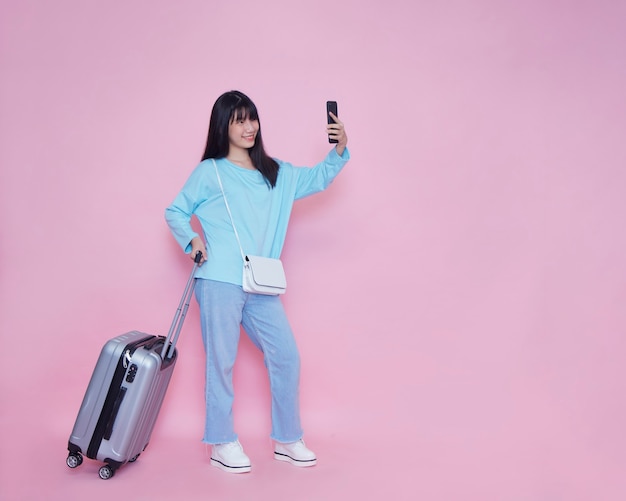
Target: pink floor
444, 438
352, 465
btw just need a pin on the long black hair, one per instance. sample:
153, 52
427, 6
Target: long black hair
229, 107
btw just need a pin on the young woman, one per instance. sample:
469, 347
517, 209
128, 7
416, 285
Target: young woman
260, 192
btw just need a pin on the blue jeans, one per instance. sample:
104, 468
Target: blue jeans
224, 307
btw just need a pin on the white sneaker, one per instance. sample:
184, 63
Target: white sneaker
230, 457
295, 453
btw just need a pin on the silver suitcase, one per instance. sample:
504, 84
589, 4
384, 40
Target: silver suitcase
125, 393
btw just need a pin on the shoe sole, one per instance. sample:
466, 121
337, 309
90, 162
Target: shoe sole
230, 469
301, 463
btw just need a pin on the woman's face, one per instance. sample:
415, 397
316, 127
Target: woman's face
242, 132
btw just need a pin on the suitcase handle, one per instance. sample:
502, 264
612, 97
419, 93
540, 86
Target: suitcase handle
181, 312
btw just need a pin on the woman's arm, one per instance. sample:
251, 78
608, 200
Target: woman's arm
178, 215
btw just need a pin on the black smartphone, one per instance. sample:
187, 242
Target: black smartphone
331, 106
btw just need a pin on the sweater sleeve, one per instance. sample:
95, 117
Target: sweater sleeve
318, 178
178, 214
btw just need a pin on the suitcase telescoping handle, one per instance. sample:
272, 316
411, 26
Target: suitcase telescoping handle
181, 312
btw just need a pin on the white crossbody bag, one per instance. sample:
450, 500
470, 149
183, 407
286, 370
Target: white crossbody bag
261, 275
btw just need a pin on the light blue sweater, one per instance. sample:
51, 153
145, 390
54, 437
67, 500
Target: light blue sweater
261, 214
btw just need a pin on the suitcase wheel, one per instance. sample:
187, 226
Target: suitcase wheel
106, 472
74, 460
133, 459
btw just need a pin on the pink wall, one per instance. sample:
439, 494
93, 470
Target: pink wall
475, 241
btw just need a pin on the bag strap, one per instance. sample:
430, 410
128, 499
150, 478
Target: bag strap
219, 180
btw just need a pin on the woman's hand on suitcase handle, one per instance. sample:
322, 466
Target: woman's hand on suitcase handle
197, 245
